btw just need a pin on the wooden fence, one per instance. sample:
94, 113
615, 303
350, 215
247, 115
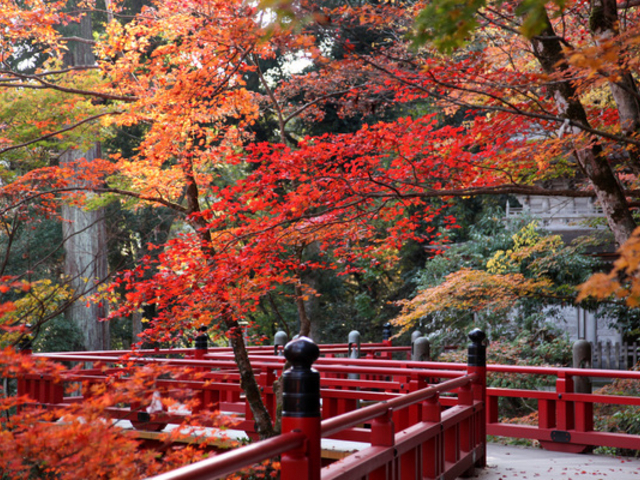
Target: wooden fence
614, 356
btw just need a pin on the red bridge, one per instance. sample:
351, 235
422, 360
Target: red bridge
409, 419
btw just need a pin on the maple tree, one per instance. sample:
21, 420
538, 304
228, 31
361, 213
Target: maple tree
86, 439
502, 114
507, 279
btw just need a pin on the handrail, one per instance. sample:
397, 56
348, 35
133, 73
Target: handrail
368, 367
235, 460
556, 371
351, 419
330, 348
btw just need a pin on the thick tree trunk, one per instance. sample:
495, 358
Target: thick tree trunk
603, 23
85, 245
85, 237
548, 50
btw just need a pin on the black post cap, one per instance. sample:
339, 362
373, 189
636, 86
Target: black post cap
301, 383
477, 356
301, 352
202, 340
26, 341
386, 331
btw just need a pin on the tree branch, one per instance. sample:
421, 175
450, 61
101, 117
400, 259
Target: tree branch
58, 132
87, 93
495, 108
126, 193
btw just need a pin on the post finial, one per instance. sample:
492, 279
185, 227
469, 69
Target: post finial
477, 336
477, 356
301, 383
301, 352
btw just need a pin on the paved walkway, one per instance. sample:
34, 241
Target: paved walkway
507, 463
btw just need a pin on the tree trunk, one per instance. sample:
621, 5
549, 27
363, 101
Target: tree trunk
305, 323
248, 382
85, 265
264, 425
548, 50
84, 232
603, 23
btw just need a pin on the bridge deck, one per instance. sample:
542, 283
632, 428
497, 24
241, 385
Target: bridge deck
515, 463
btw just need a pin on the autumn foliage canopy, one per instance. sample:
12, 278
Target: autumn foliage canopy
507, 99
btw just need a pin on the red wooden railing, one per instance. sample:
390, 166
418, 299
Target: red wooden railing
565, 418
435, 433
409, 436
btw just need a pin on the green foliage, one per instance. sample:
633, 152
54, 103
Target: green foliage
449, 24
37, 306
506, 276
34, 248
544, 347
618, 418
58, 335
31, 114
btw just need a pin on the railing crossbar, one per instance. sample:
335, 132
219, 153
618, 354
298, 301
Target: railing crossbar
235, 460
351, 419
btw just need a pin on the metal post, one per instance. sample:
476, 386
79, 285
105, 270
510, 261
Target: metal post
280, 339
421, 350
386, 340
202, 343
354, 344
477, 363
583, 411
301, 410
581, 359
354, 350
416, 334
25, 345
386, 332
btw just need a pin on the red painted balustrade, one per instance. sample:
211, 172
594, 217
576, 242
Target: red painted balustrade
365, 400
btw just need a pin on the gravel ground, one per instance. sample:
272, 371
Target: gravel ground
506, 463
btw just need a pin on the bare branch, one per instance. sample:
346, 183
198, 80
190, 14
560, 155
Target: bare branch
628, 4
58, 132
87, 93
79, 39
126, 193
319, 99
508, 108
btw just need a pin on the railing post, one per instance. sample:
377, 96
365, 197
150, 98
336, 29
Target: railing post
280, 339
382, 434
354, 350
421, 350
386, 340
201, 343
564, 408
416, 334
477, 363
433, 463
301, 410
581, 353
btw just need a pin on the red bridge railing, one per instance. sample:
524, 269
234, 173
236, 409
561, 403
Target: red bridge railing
413, 416
565, 418
409, 436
